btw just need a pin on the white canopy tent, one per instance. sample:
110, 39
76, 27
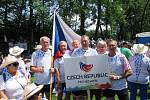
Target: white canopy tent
143, 34
143, 37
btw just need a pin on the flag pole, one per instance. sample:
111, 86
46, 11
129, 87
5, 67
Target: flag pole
53, 39
88, 94
51, 79
53, 35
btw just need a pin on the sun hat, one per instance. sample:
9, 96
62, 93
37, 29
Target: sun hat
8, 60
30, 90
139, 48
50, 47
16, 50
38, 47
6, 99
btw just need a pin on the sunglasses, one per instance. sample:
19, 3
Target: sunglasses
15, 64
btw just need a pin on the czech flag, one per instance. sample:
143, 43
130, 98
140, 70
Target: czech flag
62, 32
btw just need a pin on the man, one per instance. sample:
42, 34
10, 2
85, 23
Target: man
84, 50
41, 66
119, 71
125, 50
59, 66
75, 44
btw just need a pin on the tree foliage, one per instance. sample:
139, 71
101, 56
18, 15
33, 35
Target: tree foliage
121, 19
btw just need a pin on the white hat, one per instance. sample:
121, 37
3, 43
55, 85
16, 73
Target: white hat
38, 47
140, 48
15, 51
6, 99
30, 90
8, 60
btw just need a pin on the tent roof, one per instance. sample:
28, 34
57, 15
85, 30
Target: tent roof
143, 34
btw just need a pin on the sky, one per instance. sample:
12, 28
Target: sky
91, 27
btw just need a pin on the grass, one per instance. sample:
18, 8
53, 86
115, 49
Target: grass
116, 98
103, 98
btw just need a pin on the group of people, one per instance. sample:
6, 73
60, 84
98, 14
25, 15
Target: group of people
15, 75
129, 69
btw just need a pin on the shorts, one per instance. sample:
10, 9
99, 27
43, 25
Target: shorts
46, 88
84, 92
95, 91
122, 94
63, 87
79, 92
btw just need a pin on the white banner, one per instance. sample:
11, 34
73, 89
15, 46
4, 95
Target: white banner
87, 72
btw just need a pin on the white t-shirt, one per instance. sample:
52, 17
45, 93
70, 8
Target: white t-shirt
59, 64
141, 66
22, 64
42, 59
14, 86
118, 64
81, 52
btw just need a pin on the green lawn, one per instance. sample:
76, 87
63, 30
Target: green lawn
103, 98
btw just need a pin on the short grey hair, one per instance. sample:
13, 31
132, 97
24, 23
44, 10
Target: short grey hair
44, 37
61, 42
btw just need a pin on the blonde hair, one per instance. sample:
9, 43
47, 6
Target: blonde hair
102, 42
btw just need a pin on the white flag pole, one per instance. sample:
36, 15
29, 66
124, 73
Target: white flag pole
88, 94
53, 35
53, 41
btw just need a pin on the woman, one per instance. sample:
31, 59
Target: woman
17, 52
101, 47
140, 64
12, 80
31, 92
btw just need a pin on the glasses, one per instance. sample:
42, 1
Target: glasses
15, 64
